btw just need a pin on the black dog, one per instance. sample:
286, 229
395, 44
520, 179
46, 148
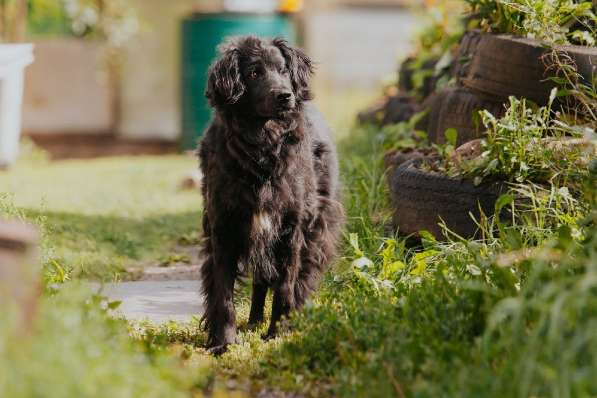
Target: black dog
270, 184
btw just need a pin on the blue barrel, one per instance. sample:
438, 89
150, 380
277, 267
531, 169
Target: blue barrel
201, 34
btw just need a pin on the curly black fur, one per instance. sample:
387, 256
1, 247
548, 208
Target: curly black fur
270, 184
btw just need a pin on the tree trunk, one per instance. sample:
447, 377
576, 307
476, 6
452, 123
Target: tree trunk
20, 23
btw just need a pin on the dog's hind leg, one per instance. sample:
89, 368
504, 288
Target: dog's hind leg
257, 303
282, 304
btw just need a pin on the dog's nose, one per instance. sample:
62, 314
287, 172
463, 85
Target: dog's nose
284, 98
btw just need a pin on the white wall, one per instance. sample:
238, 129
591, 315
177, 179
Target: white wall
357, 47
66, 89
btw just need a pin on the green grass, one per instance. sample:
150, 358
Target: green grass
108, 214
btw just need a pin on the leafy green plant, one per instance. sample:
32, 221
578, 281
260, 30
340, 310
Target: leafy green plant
47, 18
530, 144
577, 93
553, 21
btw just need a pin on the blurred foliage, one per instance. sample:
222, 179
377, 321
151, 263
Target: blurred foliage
435, 47
47, 18
113, 21
553, 21
76, 349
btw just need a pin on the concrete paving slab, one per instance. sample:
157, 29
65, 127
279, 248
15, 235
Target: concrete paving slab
184, 272
156, 301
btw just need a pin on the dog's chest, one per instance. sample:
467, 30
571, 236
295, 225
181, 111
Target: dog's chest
266, 217
265, 231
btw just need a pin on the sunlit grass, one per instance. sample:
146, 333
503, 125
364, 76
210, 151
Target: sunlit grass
106, 214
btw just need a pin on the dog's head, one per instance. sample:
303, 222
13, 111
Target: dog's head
268, 77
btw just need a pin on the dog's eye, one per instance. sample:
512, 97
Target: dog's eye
254, 74
283, 71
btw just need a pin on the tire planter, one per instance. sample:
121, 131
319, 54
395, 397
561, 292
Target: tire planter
455, 107
423, 199
395, 158
400, 108
504, 65
466, 48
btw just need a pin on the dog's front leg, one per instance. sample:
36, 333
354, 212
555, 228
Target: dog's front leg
218, 276
284, 298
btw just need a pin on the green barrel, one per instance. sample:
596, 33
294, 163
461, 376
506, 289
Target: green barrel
201, 34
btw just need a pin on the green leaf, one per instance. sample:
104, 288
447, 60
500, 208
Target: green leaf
354, 242
112, 305
421, 261
503, 201
451, 136
390, 270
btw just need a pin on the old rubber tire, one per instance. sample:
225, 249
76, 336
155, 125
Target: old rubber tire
455, 107
504, 65
395, 158
466, 48
421, 199
400, 108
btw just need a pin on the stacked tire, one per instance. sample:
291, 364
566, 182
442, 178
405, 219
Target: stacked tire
487, 70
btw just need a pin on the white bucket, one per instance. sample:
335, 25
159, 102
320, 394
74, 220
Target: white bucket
13, 60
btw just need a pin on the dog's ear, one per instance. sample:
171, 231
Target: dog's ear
300, 66
224, 82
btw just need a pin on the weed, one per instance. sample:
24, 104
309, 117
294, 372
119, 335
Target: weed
530, 144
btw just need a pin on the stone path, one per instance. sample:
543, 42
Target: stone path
156, 301
160, 292
182, 272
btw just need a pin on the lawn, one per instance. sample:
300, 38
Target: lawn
106, 215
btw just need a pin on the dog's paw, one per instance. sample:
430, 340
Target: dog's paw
269, 335
254, 325
218, 350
